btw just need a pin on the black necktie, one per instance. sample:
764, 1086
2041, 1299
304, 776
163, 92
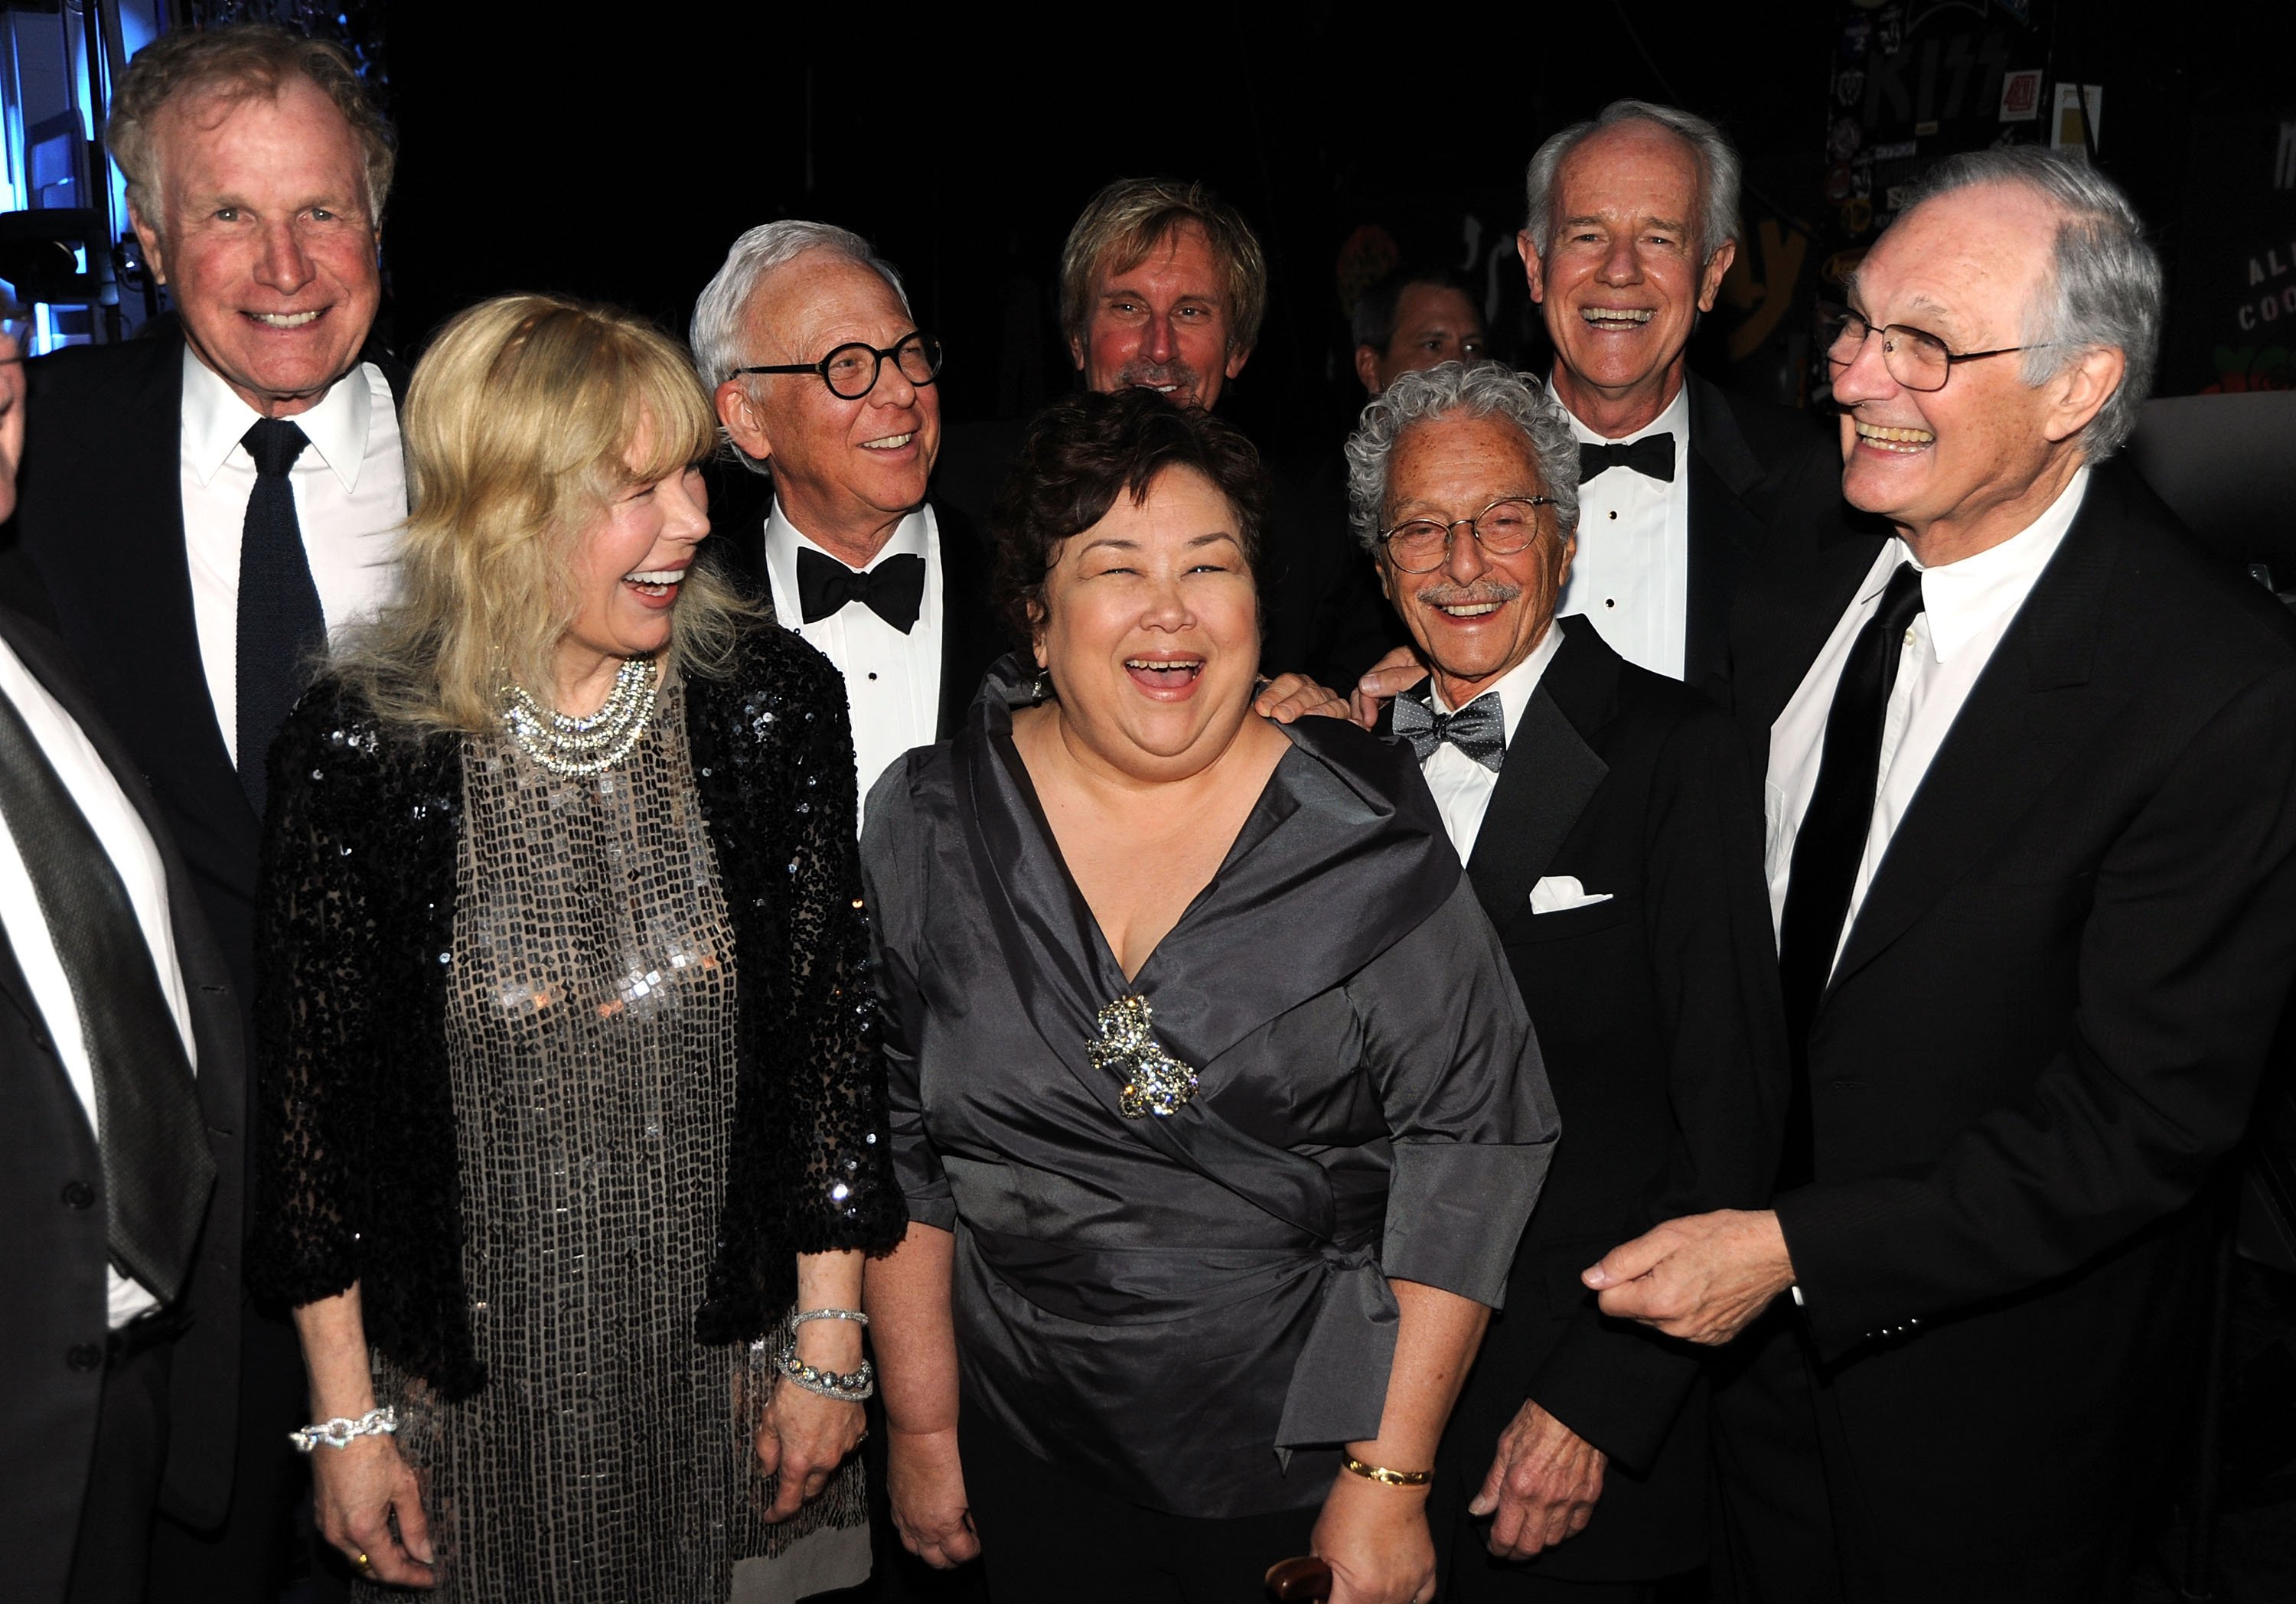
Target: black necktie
1652, 456
1831, 843
282, 630
894, 590
1479, 729
157, 1169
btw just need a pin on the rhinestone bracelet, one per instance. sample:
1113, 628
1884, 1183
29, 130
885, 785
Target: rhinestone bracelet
338, 1432
855, 1315
850, 1386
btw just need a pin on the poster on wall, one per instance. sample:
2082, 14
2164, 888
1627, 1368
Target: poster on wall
2232, 318
1912, 81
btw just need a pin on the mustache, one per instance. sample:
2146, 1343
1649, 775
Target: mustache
1447, 594
1145, 375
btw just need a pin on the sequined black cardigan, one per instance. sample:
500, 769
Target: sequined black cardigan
356, 1165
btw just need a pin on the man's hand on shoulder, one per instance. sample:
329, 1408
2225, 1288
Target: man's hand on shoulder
1382, 683
1703, 1278
1290, 696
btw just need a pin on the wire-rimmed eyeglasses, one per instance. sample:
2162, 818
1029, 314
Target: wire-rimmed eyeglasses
1508, 524
850, 371
1916, 358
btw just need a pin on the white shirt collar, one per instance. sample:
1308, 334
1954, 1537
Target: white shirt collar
1674, 421
216, 420
1516, 684
784, 540
1964, 600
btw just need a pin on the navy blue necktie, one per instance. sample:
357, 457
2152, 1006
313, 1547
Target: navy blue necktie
282, 631
1479, 729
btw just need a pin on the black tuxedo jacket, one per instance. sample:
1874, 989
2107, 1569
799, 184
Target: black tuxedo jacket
971, 635
1763, 479
101, 559
2048, 1020
1658, 1013
52, 1254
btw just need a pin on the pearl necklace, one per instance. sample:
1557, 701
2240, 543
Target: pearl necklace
576, 747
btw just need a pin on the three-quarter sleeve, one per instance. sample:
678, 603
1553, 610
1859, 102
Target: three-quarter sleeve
316, 971
893, 875
838, 1188
1469, 1111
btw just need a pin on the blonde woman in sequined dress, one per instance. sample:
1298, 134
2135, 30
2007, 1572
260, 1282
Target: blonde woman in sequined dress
569, 1077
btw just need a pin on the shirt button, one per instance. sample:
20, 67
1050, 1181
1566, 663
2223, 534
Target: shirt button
1614, 515
1610, 600
872, 674
79, 1194
84, 1356
1911, 639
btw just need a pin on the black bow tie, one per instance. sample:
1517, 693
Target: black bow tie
1653, 456
1479, 729
894, 590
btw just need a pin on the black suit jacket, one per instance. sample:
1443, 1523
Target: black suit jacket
1658, 1013
52, 1254
101, 559
2048, 1022
1764, 480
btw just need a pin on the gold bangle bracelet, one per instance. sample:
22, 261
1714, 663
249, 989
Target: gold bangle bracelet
1385, 1477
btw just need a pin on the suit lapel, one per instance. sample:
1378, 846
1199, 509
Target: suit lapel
141, 596
1723, 534
1550, 773
2035, 705
969, 640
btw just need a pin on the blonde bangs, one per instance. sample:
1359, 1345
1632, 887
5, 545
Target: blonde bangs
519, 426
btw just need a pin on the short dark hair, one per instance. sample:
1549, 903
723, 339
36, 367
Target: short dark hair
1377, 307
1081, 453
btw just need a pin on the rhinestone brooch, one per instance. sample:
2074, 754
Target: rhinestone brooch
1154, 1081
576, 747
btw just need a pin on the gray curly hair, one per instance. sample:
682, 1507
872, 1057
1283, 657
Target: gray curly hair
2104, 282
1479, 389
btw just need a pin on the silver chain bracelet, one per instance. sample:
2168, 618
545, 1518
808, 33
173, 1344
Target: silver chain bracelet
338, 1432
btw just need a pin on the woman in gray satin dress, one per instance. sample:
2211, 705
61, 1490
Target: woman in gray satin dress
1216, 1109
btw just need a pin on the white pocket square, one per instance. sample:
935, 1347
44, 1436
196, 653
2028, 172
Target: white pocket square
1560, 893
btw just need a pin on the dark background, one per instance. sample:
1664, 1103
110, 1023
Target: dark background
618, 159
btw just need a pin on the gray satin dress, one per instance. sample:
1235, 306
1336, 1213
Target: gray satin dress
1168, 1305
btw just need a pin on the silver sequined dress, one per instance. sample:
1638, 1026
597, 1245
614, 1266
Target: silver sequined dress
591, 1040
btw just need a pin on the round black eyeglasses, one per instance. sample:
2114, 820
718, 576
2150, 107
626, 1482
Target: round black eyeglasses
850, 371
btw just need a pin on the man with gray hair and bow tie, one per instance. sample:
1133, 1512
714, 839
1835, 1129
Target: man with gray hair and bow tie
1609, 824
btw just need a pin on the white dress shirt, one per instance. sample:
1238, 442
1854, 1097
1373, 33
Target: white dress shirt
892, 680
121, 831
1966, 608
349, 486
1631, 579
1463, 787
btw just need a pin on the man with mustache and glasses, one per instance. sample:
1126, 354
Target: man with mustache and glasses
824, 381
2031, 849
1609, 826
